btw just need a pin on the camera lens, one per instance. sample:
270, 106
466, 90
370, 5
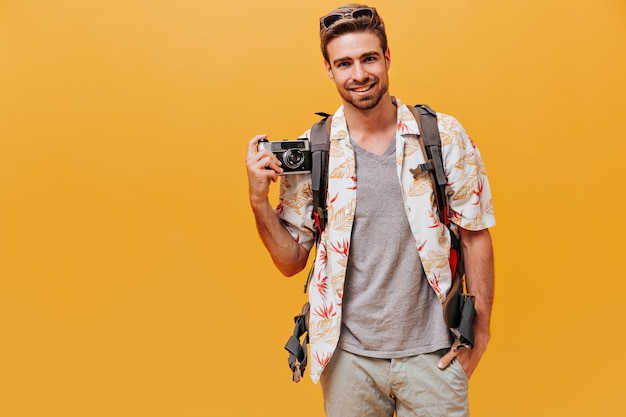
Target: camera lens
293, 158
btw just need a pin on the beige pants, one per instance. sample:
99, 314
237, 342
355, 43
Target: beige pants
357, 386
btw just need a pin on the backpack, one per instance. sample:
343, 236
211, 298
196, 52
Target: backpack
458, 308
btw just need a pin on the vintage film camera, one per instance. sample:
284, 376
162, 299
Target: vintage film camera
295, 155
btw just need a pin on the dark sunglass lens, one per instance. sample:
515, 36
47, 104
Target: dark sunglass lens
331, 20
362, 13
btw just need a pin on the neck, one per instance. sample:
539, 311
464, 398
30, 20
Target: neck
372, 119
372, 129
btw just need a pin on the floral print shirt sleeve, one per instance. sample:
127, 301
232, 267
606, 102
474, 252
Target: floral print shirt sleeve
295, 208
469, 194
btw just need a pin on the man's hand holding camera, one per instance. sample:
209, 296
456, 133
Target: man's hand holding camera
294, 155
263, 168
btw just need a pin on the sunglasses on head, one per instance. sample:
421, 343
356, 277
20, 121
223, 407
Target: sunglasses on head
329, 20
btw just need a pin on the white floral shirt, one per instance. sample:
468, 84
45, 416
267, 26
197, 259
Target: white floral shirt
469, 199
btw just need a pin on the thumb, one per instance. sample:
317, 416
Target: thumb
446, 359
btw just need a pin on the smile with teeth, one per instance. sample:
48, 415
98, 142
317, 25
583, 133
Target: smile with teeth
362, 89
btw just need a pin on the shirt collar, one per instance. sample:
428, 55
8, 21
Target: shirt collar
406, 124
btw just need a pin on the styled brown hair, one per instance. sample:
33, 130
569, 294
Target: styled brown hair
348, 24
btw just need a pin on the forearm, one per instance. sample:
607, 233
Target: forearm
478, 261
479, 275
288, 255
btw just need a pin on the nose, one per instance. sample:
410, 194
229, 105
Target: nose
359, 74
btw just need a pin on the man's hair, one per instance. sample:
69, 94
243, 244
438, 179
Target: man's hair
347, 25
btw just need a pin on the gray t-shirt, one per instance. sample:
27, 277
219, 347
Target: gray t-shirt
389, 309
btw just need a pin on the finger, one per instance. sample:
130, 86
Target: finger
259, 160
447, 359
274, 163
252, 144
267, 161
262, 169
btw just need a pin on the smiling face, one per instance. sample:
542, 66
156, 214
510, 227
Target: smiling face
359, 67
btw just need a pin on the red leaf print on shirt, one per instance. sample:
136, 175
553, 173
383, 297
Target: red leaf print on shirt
325, 313
322, 257
322, 360
436, 223
479, 191
434, 282
321, 284
455, 215
340, 247
402, 127
353, 187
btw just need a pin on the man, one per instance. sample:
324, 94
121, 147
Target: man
378, 340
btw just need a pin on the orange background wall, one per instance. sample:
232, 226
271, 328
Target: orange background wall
132, 281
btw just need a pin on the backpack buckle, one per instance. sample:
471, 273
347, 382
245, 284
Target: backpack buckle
422, 168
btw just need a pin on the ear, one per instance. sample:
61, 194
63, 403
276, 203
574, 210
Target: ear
388, 57
329, 70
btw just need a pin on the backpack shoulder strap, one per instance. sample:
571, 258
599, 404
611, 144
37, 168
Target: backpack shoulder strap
459, 306
431, 141
320, 144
